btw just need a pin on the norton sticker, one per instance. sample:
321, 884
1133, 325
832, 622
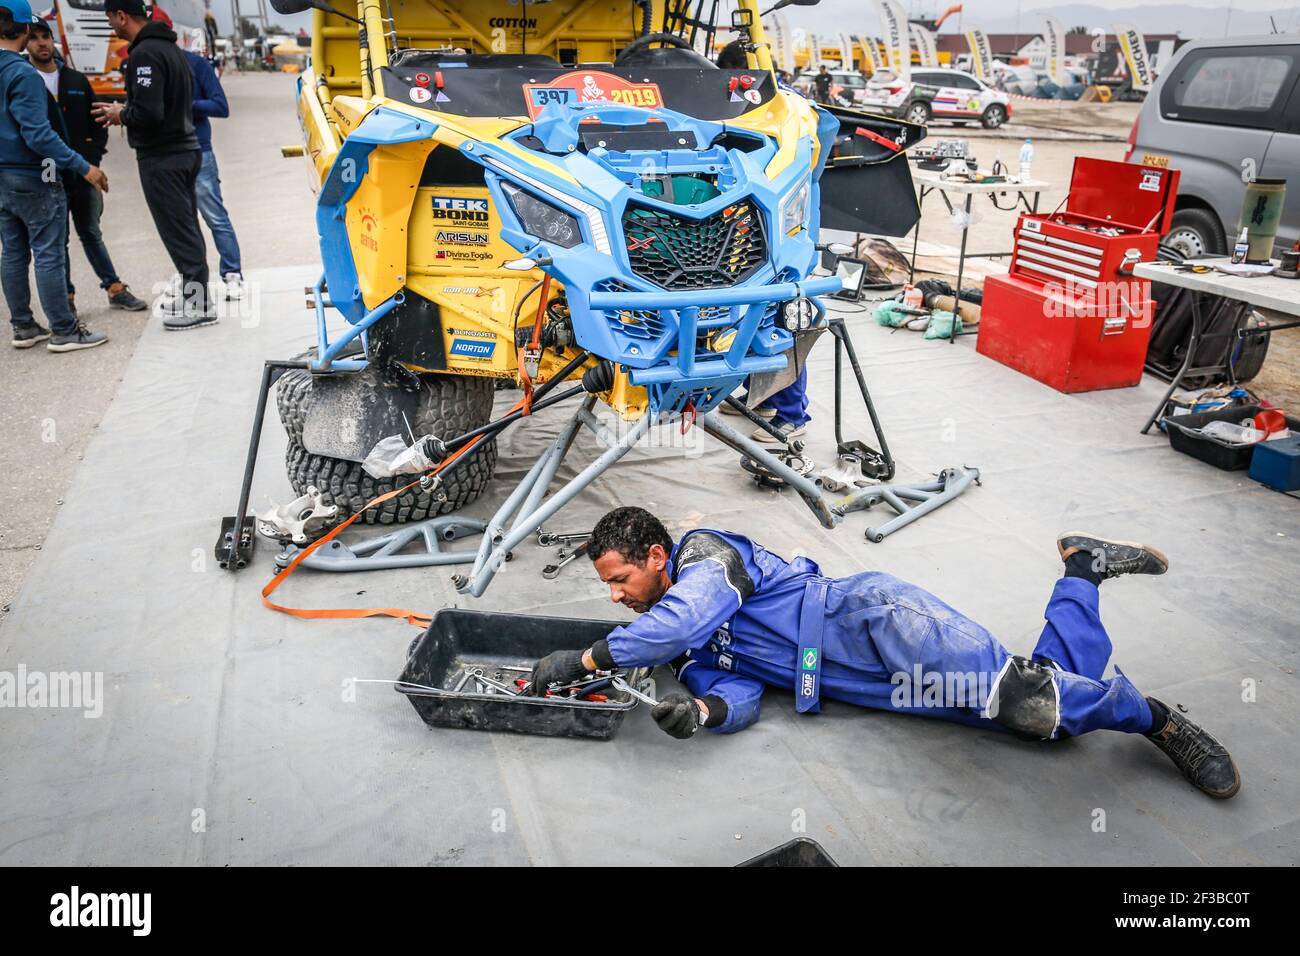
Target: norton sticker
590, 86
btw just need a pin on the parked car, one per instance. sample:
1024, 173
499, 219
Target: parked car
847, 86
1221, 111
939, 94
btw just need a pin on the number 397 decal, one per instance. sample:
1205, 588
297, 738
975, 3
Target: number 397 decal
589, 86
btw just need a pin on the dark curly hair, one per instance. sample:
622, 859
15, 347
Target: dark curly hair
629, 531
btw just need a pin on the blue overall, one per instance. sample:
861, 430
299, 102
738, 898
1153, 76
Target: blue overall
738, 617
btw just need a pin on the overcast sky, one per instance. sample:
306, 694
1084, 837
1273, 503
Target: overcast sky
859, 16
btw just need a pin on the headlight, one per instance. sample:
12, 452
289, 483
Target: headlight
794, 211
543, 220
797, 315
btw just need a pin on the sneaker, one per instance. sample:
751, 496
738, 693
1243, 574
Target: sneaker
80, 338
25, 336
789, 431
170, 296
120, 297
1202, 759
1113, 558
183, 321
234, 285
767, 414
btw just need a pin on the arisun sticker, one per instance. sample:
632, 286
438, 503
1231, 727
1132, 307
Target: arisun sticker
462, 238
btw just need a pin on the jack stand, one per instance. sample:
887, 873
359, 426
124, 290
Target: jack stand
929, 495
857, 461
380, 553
235, 550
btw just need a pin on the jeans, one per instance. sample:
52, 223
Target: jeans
86, 205
34, 225
213, 208
169, 191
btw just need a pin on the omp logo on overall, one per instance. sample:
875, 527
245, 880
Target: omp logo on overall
454, 210
590, 86
462, 238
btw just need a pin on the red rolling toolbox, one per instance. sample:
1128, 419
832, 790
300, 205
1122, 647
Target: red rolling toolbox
1070, 313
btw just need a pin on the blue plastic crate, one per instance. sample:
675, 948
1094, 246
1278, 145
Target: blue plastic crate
1277, 464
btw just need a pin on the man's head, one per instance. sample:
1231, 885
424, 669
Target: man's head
126, 17
630, 549
15, 23
40, 45
822, 69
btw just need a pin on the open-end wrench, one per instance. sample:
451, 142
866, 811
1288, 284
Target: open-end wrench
623, 685
549, 539
552, 571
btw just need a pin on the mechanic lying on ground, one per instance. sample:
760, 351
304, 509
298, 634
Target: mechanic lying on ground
731, 617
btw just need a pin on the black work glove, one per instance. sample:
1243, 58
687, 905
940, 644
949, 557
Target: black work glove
677, 715
558, 667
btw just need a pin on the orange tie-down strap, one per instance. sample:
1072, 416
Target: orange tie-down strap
414, 618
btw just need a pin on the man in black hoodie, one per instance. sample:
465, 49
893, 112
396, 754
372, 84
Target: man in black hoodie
70, 100
157, 117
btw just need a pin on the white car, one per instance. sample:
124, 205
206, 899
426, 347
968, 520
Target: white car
939, 94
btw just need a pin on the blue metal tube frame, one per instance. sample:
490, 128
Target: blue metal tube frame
327, 352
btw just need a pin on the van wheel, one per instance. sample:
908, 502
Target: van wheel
994, 116
918, 112
1196, 232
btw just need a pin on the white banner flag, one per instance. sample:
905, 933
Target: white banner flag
1134, 46
981, 54
846, 52
893, 20
1054, 35
923, 40
778, 34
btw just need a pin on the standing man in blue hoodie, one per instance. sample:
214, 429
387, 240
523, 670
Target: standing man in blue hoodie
209, 102
33, 206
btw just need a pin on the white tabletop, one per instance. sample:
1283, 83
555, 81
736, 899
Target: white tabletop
935, 181
1265, 292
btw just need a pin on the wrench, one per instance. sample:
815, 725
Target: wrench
549, 539
623, 685
552, 571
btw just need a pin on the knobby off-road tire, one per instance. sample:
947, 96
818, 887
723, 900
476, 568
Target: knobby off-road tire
449, 405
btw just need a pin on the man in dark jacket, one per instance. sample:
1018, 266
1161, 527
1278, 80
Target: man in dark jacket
33, 208
159, 128
71, 98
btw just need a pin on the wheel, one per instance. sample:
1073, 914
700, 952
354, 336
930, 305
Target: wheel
918, 112
994, 116
1196, 232
291, 394
449, 405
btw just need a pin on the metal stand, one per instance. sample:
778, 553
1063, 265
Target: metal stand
872, 463
235, 542
929, 495
524, 511
1192, 342
380, 553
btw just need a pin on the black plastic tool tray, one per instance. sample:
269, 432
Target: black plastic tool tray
457, 639
1220, 454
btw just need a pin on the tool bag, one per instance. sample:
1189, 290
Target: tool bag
1218, 349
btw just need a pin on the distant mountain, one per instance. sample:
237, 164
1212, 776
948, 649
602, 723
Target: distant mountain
1188, 20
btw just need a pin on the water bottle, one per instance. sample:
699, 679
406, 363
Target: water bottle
1026, 159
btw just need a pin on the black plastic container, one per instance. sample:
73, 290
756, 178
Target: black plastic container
801, 851
1210, 450
459, 639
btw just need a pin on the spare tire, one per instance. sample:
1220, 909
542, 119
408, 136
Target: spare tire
449, 405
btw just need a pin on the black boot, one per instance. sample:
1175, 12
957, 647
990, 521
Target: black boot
1202, 759
1110, 558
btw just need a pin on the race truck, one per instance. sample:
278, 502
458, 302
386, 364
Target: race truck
610, 192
